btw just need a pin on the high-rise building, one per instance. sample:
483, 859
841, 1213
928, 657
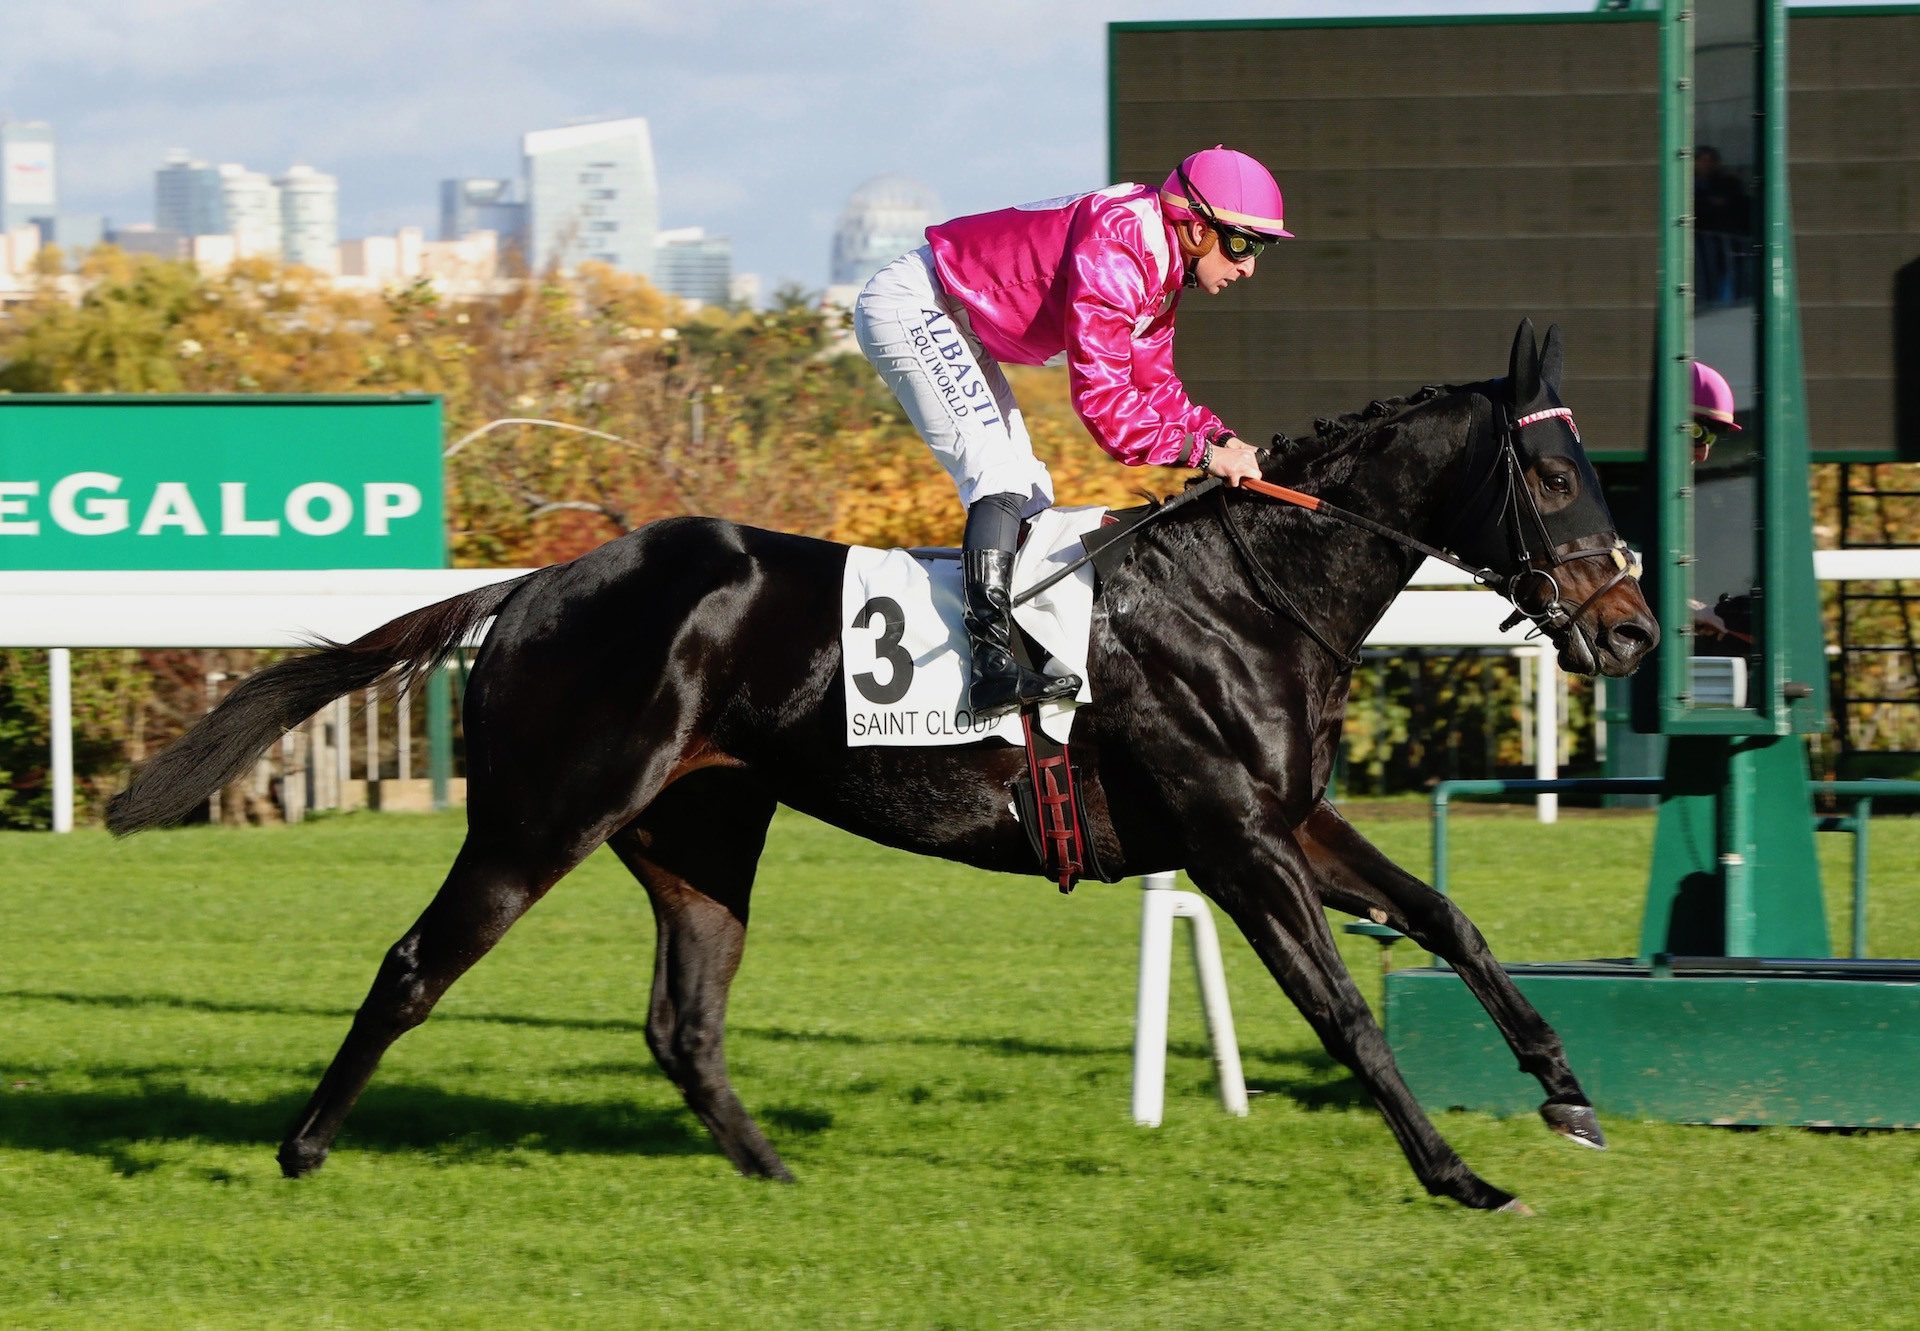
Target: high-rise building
592, 194
187, 198
309, 218
74, 233
26, 172
694, 266
884, 218
483, 204
251, 205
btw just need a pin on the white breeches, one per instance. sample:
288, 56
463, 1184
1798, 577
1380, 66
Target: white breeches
954, 392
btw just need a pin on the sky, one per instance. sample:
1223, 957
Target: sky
765, 116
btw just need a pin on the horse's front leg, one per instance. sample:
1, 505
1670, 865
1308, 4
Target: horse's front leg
1355, 877
1267, 891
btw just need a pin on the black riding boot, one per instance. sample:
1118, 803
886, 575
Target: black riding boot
998, 682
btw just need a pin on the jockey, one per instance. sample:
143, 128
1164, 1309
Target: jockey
1095, 278
1712, 409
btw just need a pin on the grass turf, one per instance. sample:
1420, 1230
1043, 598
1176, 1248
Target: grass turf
941, 1055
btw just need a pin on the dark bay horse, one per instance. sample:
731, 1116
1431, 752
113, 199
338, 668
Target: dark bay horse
663, 693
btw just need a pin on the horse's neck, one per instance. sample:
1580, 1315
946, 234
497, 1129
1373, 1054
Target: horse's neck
1403, 475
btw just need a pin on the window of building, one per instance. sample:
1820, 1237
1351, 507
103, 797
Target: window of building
589, 177
603, 194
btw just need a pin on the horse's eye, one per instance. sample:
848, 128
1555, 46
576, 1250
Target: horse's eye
1559, 484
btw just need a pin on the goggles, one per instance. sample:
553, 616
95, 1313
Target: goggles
1237, 244
1701, 435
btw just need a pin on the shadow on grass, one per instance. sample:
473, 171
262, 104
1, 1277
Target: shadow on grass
994, 1044
113, 1125
1312, 1089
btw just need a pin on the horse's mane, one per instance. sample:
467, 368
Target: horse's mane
1325, 456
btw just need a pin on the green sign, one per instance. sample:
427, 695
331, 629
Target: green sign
220, 482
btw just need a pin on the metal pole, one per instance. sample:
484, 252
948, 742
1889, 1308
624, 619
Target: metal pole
1862, 817
60, 722
1546, 729
1736, 866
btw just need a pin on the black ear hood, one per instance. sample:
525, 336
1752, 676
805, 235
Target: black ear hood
1543, 428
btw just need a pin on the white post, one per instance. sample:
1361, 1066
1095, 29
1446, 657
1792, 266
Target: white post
213, 696
1160, 905
293, 778
373, 741
1150, 1007
403, 721
343, 750
1212, 977
1546, 728
60, 721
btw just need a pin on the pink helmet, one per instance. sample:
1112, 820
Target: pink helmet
1712, 398
1228, 187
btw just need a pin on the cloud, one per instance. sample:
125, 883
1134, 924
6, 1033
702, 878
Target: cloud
765, 116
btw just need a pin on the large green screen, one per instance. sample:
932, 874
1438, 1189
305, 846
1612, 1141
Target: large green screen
1446, 177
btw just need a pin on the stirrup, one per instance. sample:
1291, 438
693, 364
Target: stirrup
1026, 688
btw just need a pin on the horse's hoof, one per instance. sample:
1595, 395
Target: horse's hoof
1577, 1123
299, 1161
1515, 1207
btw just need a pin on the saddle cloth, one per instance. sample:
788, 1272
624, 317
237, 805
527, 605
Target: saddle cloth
903, 645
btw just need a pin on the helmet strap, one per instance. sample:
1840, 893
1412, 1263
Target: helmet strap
1193, 252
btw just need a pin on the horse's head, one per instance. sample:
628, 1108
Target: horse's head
1538, 519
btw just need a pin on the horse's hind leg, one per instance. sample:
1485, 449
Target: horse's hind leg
484, 893
695, 849
1357, 878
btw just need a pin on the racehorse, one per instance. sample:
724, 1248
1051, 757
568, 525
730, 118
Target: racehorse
664, 692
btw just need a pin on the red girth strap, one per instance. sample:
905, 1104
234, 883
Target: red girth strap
1062, 855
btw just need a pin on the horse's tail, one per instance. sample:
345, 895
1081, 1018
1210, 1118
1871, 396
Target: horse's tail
270, 702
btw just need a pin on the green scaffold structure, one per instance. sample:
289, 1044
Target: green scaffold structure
1735, 1009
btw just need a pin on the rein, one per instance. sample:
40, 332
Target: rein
1551, 617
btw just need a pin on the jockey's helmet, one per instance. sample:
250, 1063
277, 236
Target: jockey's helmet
1712, 397
1231, 193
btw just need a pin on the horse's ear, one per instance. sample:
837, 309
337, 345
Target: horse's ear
1552, 360
1523, 366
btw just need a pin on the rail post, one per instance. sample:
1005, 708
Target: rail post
1160, 905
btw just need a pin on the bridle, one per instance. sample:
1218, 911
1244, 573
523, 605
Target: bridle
1502, 491
1529, 539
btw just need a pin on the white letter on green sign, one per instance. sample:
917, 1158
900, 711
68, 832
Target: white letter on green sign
387, 500
101, 517
233, 513
13, 508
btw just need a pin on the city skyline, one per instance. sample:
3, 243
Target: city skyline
764, 117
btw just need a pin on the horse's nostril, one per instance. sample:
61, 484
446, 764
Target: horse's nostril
1631, 637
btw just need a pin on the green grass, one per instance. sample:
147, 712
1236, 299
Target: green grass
941, 1055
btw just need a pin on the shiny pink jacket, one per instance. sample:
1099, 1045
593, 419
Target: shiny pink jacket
1096, 276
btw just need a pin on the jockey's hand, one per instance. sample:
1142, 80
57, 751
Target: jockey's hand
1234, 460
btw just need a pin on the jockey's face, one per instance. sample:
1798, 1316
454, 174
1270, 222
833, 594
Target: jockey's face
1215, 271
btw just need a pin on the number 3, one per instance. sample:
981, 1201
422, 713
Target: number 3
893, 627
